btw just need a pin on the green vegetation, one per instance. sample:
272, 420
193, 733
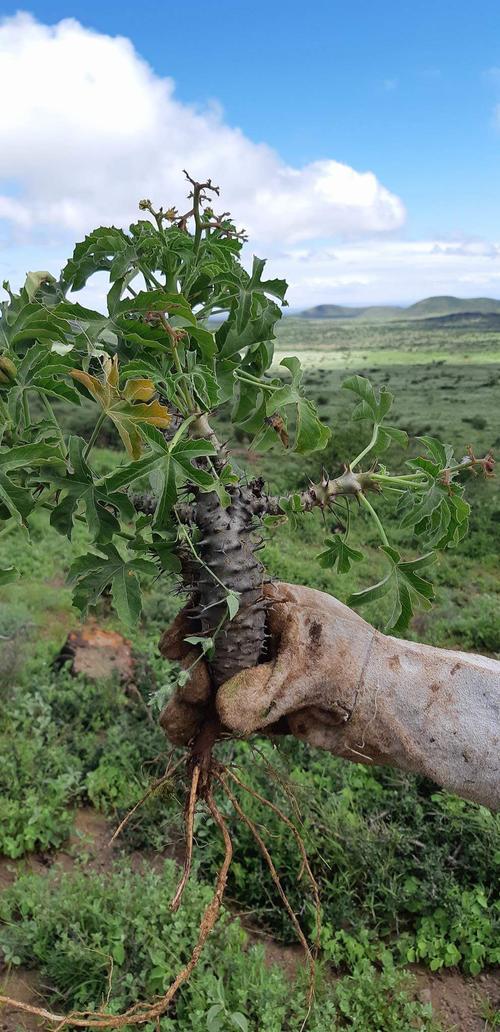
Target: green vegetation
407, 873
114, 937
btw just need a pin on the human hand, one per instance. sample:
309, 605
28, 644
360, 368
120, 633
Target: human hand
307, 687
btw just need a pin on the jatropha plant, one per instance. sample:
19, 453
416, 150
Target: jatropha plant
188, 331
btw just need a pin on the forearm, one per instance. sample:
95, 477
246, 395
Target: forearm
335, 682
422, 709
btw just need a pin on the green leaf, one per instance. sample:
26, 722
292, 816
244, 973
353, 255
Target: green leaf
206, 644
239, 1021
338, 555
126, 594
205, 340
173, 465
311, 434
92, 574
370, 406
233, 603
205, 387
94, 254
157, 301
17, 499
407, 585
25, 456
388, 435
34, 281
436, 449
251, 320
99, 502
373, 593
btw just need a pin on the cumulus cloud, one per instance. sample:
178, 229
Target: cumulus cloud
92, 129
389, 271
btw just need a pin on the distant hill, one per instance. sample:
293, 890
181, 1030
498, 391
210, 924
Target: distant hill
345, 312
429, 308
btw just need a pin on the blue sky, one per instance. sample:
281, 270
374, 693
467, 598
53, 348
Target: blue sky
410, 93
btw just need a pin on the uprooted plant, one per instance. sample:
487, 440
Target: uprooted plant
188, 331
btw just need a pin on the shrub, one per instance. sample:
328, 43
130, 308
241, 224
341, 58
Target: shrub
116, 934
387, 849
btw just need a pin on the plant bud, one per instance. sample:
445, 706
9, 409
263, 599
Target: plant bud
7, 370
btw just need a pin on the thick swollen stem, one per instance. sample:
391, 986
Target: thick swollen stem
227, 548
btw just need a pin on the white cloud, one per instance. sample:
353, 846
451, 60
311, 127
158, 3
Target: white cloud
91, 129
389, 271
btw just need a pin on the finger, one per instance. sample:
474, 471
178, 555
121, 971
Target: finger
261, 695
241, 701
172, 644
181, 721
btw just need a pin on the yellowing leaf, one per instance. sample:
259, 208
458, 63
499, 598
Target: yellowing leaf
110, 366
119, 405
139, 390
99, 391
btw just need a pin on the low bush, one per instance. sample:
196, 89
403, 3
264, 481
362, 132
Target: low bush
391, 855
67, 740
114, 937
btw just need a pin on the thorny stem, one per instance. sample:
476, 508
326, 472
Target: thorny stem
185, 534
201, 428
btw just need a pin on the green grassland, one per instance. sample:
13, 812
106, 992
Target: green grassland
407, 873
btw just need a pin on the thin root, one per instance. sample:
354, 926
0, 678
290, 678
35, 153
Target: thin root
151, 790
190, 811
305, 865
283, 782
141, 1013
286, 903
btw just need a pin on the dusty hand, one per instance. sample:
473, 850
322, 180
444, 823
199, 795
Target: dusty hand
308, 687
342, 686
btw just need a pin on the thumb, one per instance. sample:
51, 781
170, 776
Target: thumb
242, 702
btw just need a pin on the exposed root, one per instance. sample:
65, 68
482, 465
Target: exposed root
151, 790
141, 1013
190, 811
283, 782
203, 770
305, 866
284, 898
